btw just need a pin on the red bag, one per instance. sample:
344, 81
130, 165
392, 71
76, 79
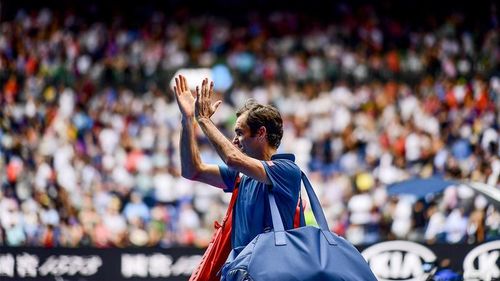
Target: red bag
220, 246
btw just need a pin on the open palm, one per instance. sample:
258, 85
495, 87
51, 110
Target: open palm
184, 97
204, 108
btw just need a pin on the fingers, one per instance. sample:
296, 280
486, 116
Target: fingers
204, 87
177, 88
207, 90
181, 86
184, 83
198, 94
216, 105
197, 102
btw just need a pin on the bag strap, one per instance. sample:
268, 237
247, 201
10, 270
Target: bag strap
234, 196
279, 229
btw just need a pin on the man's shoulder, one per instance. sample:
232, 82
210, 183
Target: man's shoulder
283, 160
284, 166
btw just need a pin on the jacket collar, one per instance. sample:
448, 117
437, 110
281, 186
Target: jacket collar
287, 156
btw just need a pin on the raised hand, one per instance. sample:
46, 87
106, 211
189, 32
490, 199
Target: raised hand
184, 97
203, 106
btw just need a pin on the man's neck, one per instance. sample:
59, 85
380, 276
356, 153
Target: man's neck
268, 153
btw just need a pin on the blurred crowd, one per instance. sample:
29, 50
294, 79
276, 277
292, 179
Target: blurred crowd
89, 129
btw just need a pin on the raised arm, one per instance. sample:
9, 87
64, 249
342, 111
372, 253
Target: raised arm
228, 152
191, 165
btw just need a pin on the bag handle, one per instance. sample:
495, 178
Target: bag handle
279, 229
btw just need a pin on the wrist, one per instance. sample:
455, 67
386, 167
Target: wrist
202, 119
187, 119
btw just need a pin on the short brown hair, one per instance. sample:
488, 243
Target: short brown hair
263, 115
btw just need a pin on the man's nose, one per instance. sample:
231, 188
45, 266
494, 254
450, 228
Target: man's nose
235, 140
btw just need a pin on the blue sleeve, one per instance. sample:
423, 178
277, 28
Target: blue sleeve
285, 177
229, 177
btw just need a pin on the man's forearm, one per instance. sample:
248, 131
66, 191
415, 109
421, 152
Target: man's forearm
190, 155
222, 145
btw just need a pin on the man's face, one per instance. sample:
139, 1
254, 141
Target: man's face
243, 138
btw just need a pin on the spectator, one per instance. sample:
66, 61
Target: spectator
88, 122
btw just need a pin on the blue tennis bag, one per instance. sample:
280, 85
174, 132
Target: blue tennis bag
302, 254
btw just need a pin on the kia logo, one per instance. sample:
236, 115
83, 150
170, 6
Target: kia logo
482, 262
398, 260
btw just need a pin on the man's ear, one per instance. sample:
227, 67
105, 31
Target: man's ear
262, 133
